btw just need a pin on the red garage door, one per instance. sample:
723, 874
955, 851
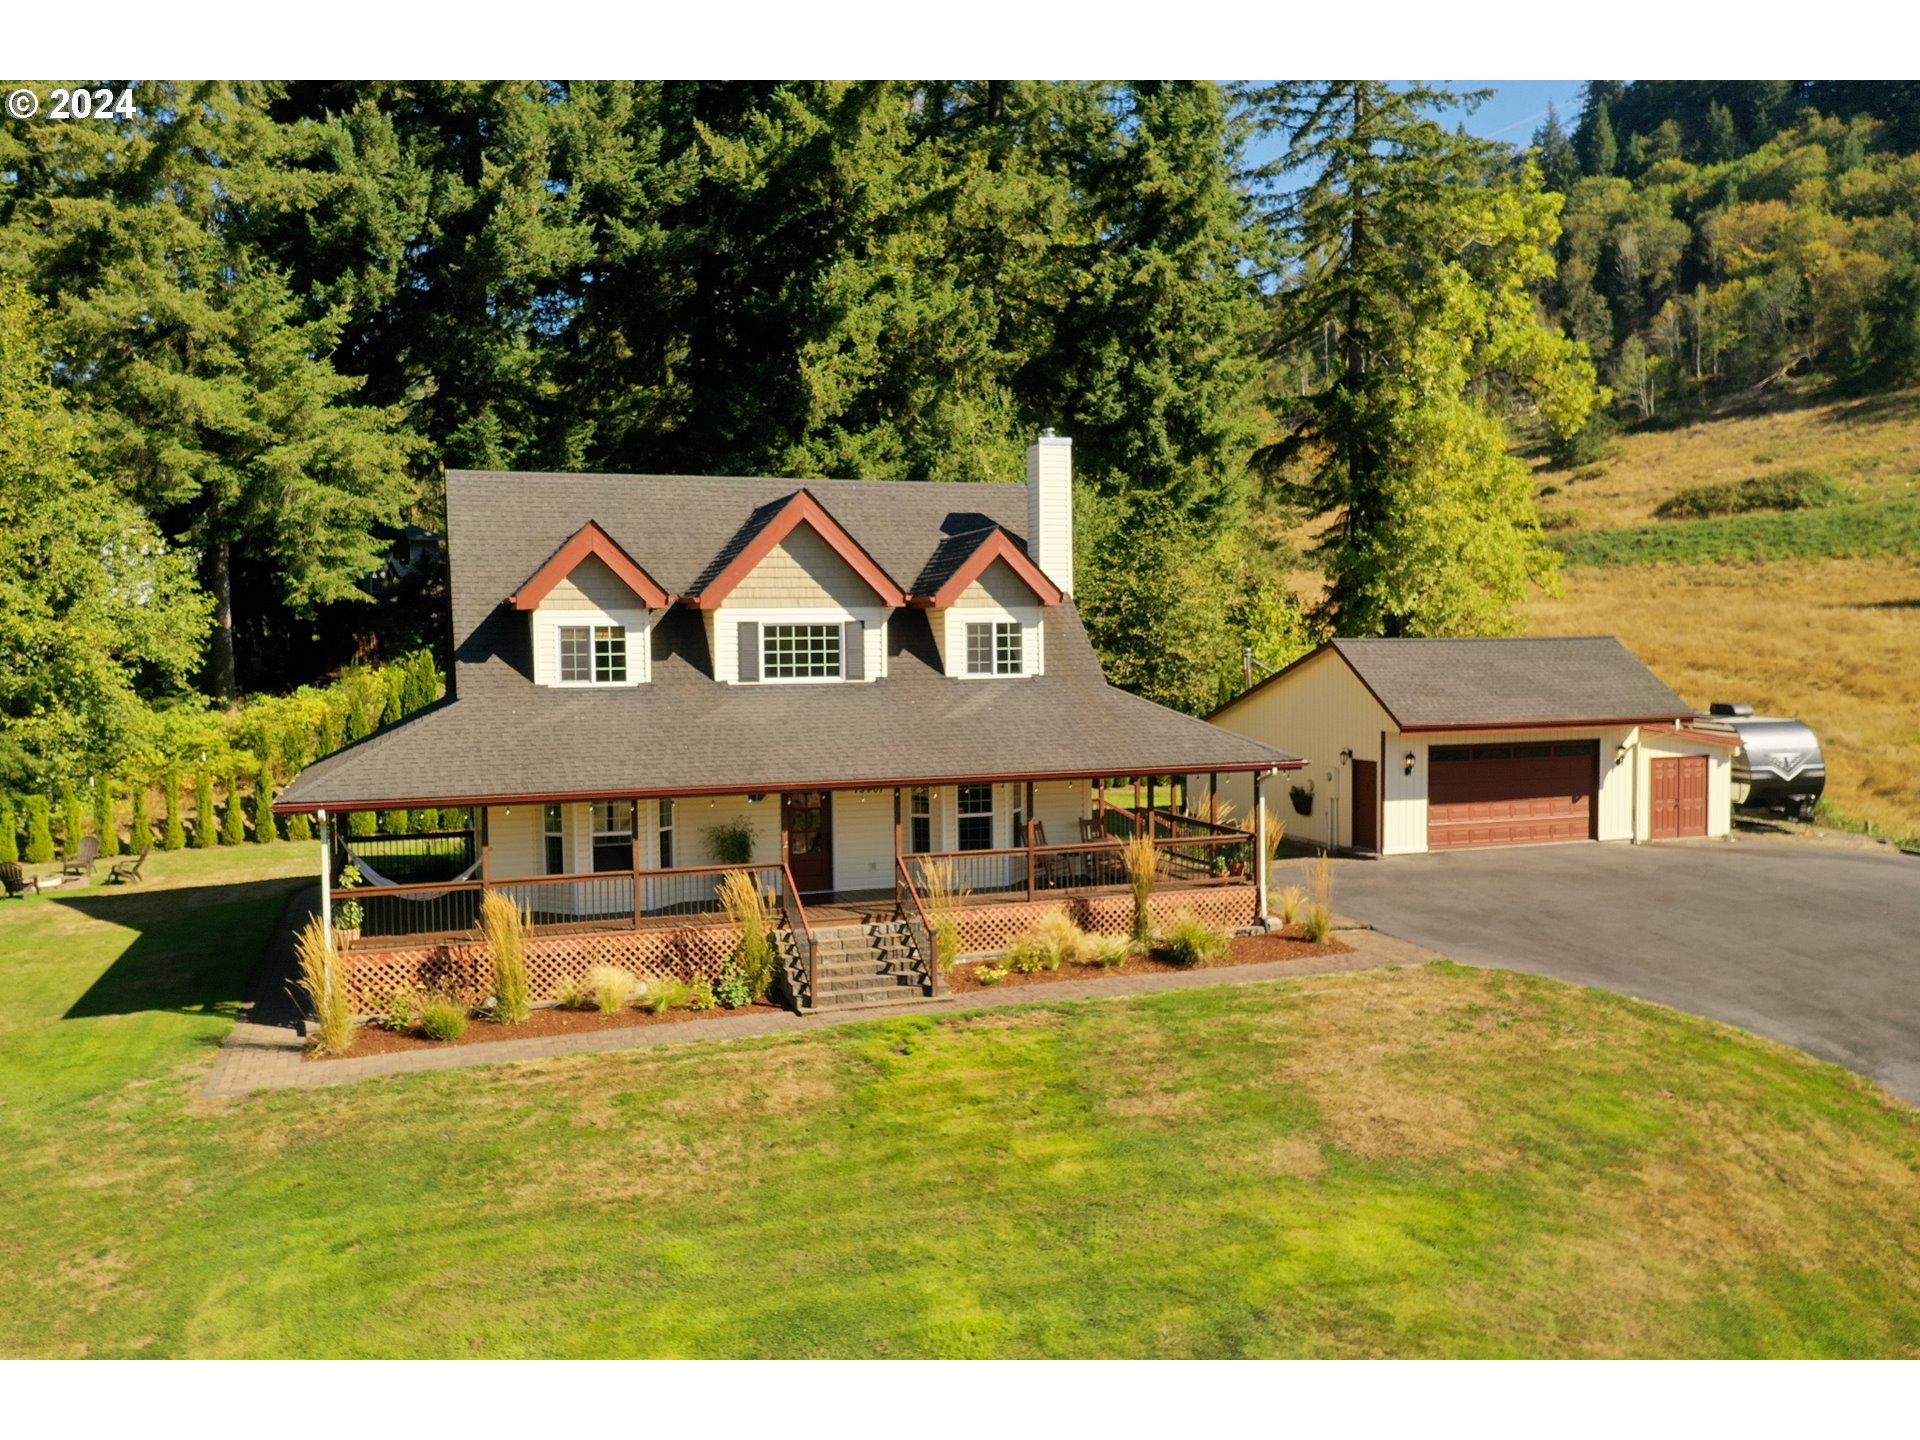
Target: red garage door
1511, 794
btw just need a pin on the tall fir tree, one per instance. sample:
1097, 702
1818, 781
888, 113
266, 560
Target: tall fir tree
1419, 250
1559, 165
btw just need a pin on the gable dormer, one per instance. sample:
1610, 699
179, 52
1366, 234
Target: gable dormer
592, 609
796, 599
987, 602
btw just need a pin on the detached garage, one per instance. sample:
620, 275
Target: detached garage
1417, 745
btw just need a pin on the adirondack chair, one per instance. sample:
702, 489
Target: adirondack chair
17, 881
128, 870
81, 861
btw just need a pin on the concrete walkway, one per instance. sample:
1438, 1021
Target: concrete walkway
264, 1049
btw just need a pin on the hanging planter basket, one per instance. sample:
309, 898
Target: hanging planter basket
1302, 799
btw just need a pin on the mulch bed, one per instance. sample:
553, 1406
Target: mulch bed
372, 1040
1246, 950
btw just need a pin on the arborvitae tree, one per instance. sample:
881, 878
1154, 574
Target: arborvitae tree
359, 822
1559, 166
357, 726
233, 819
264, 832
423, 682
9, 830
394, 680
1420, 251
396, 822
206, 827
140, 830
293, 749
39, 830
72, 821
332, 736
173, 834
105, 823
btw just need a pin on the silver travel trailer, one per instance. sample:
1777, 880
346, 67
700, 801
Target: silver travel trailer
1778, 767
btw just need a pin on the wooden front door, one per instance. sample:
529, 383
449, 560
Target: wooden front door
806, 826
1365, 829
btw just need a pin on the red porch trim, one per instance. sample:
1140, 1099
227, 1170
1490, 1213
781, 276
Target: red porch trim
590, 539
997, 546
802, 509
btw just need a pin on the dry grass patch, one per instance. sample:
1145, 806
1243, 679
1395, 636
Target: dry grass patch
1833, 642
1872, 445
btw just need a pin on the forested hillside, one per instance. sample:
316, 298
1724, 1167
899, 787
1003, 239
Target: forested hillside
248, 327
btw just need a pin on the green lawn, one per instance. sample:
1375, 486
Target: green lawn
1436, 1161
1884, 528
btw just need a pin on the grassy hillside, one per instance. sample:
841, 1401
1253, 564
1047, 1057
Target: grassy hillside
1813, 613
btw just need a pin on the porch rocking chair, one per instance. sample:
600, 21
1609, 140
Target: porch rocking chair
1049, 871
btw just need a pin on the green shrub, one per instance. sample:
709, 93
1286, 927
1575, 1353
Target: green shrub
72, 826
263, 829
1546, 490
1190, 941
443, 1017
105, 824
140, 828
233, 820
1563, 520
299, 829
399, 1012
665, 995
700, 994
9, 831
39, 830
204, 827
611, 987
730, 987
991, 974
173, 835
505, 931
1109, 952
1799, 488
731, 843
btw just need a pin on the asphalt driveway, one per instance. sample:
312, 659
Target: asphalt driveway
1819, 948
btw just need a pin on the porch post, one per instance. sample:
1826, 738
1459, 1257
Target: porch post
1260, 846
898, 849
326, 880
1029, 816
1213, 796
634, 899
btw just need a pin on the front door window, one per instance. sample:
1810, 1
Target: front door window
807, 822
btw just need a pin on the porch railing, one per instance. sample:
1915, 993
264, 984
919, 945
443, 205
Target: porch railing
907, 902
599, 900
1204, 854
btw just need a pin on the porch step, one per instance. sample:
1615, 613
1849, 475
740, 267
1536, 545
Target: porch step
875, 963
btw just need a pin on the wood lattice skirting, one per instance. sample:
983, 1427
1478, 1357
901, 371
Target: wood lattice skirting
464, 969
991, 928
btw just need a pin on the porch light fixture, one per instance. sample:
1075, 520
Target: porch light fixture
1345, 756
757, 797
1406, 765
1619, 752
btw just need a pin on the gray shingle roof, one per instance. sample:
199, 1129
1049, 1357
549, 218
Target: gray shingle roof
505, 736
1508, 681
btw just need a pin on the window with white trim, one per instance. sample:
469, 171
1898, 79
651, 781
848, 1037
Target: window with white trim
920, 820
612, 835
593, 654
666, 834
995, 647
975, 811
555, 835
800, 652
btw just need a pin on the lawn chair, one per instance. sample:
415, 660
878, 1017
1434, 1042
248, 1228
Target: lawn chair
128, 870
17, 881
81, 862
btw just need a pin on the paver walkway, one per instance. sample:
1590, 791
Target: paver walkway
263, 1052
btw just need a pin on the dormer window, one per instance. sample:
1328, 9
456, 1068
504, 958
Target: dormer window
800, 652
994, 648
593, 654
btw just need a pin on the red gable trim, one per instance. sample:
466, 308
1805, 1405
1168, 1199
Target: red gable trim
802, 509
590, 539
997, 546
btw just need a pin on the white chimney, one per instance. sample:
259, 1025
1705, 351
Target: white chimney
1050, 507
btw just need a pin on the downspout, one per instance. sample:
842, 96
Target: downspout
326, 880
1260, 846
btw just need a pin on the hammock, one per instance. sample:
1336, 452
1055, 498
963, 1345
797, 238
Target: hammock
375, 878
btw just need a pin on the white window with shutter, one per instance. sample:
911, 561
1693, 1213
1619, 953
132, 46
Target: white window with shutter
797, 646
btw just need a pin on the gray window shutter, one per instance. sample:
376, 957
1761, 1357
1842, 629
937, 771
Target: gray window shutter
853, 651
749, 649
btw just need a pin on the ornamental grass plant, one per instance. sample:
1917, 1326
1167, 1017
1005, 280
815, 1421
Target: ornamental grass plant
1319, 918
942, 893
323, 980
1140, 860
504, 929
746, 905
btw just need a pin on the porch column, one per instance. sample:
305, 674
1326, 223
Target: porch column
898, 849
326, 880
1029, 816
634, 900
1260, 846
